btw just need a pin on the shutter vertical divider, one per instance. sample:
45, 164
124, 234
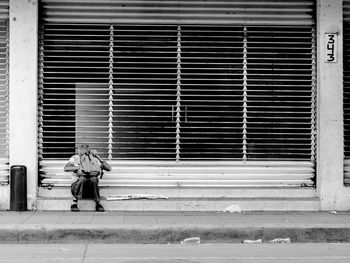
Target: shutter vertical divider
245, 66
110, 102
178, 94
313, 97
41, 93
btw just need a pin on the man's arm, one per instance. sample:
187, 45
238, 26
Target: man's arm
104, 164
70, 167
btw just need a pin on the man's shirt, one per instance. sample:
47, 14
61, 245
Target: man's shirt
75, 161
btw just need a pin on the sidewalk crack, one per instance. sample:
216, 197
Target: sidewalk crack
84, 254
59, 218
156, 217
27, 218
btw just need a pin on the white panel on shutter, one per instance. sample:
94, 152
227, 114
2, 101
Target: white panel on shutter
346, 91
4, 37
159, 98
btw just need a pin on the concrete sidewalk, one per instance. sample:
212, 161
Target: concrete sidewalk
171, 227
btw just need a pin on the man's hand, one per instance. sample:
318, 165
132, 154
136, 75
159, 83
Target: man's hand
94, 153
104, 164
80, 172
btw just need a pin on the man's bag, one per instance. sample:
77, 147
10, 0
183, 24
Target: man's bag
90, 166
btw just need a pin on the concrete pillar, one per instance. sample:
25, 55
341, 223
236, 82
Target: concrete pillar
330, 154
23, 91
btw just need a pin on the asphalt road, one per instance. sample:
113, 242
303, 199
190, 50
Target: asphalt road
221, 253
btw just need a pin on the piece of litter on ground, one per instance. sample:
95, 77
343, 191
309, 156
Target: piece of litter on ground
333, 212
191, 241
233, 209
280, 240
134, 197
247, 241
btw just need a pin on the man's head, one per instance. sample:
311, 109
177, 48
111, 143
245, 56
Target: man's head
83, 149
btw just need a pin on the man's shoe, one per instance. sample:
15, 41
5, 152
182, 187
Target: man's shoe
99, 208
74, 208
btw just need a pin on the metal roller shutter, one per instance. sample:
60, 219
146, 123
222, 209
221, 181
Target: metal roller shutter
346, 80
4, 38
179, 85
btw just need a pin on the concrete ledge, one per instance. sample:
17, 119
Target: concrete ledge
188, 204
171, 227
164, 235
181, 192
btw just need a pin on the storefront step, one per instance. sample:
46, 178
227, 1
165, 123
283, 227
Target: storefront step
188, 204
188, 192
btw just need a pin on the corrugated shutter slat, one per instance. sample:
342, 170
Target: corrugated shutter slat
251, 12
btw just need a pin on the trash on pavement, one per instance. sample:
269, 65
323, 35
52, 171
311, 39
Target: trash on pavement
134, 197
247, 241
280, 240
191, 241
233, 209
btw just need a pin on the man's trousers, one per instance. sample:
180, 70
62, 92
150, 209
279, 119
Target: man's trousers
86, 188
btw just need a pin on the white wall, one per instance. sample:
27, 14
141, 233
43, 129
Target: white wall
4, 197
23, 90
330, 153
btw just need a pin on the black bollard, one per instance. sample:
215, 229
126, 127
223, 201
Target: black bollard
18, 188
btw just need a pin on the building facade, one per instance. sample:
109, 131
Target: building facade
208, 103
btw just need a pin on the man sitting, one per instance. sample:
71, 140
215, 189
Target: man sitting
87, 167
